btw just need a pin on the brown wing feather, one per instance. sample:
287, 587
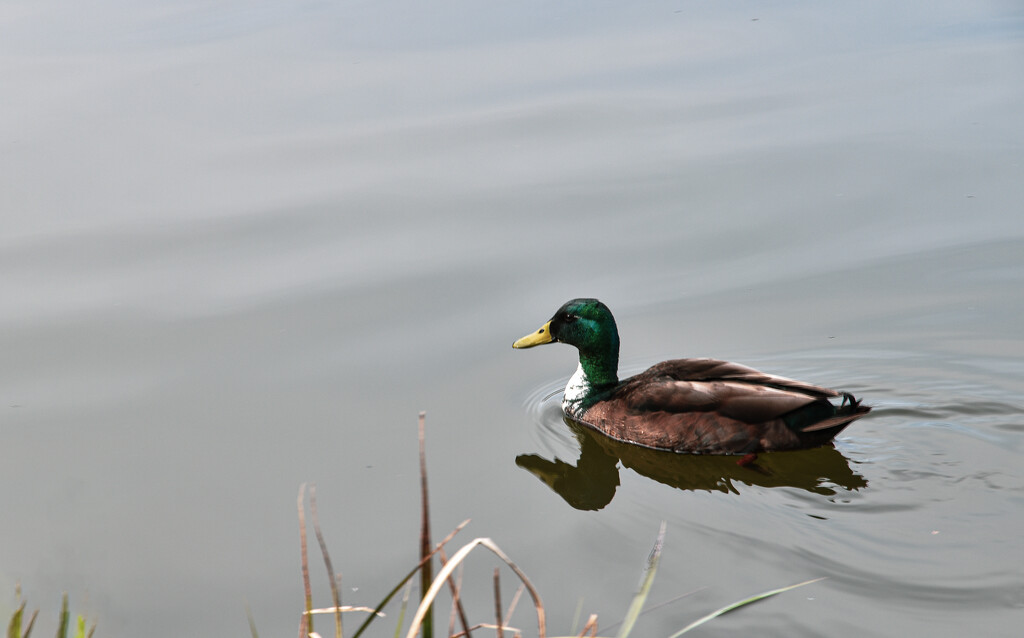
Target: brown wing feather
741, 401
715, 370
706, 406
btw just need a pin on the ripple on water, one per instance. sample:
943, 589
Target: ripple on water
584, 466
921, 439
1001, 589
543, 406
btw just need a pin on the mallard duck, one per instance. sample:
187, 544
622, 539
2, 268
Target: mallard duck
699, 406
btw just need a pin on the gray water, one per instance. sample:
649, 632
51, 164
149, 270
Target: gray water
244, 244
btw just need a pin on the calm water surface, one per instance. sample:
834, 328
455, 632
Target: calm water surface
244, 245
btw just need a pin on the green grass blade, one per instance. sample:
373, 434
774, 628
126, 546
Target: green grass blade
397, 588
577, 615
80, 627
252, 622
14, 627
737, 605
62, 629
646, 580
402, 608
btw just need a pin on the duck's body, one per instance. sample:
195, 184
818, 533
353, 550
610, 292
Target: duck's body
700, 406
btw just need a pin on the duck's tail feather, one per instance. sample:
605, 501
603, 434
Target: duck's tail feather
848, 411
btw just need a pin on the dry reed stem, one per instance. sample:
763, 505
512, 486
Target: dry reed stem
515, 601
452, 612
32, 621
591, 625
346, 608
497, 600
306, 622
456, 595
335, 593
426, 576
442, 576
408, 577
487, 625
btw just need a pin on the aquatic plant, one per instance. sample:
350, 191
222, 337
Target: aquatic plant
15, 629
431, 585
422, 620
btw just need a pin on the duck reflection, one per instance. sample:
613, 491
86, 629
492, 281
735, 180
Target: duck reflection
590, 484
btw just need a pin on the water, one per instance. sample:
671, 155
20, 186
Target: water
244, 245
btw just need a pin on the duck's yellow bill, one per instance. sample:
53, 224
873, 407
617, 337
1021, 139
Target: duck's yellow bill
538, 338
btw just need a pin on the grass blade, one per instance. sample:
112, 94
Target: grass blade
31, 623
401, 611
456, 595
346, 608
646, 580
306, 623
591, 626
446, 572
427, 575
576, 616
742, 603
62, 629
456, 588
397, 588
497, 601
252, 622
14, 627
515, 601
335, 593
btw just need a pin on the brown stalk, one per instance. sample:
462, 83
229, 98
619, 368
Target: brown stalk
306, 623
427, 573
409, 577
31, 622
335, 592
487, 625
515, 601
456, 560
455, 589
590, 626
497, 600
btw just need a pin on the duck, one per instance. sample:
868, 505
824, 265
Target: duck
696, 406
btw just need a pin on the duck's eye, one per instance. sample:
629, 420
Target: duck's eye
571, 318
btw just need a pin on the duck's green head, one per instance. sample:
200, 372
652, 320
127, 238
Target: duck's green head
586, 324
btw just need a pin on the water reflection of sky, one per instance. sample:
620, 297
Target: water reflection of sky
244, 243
